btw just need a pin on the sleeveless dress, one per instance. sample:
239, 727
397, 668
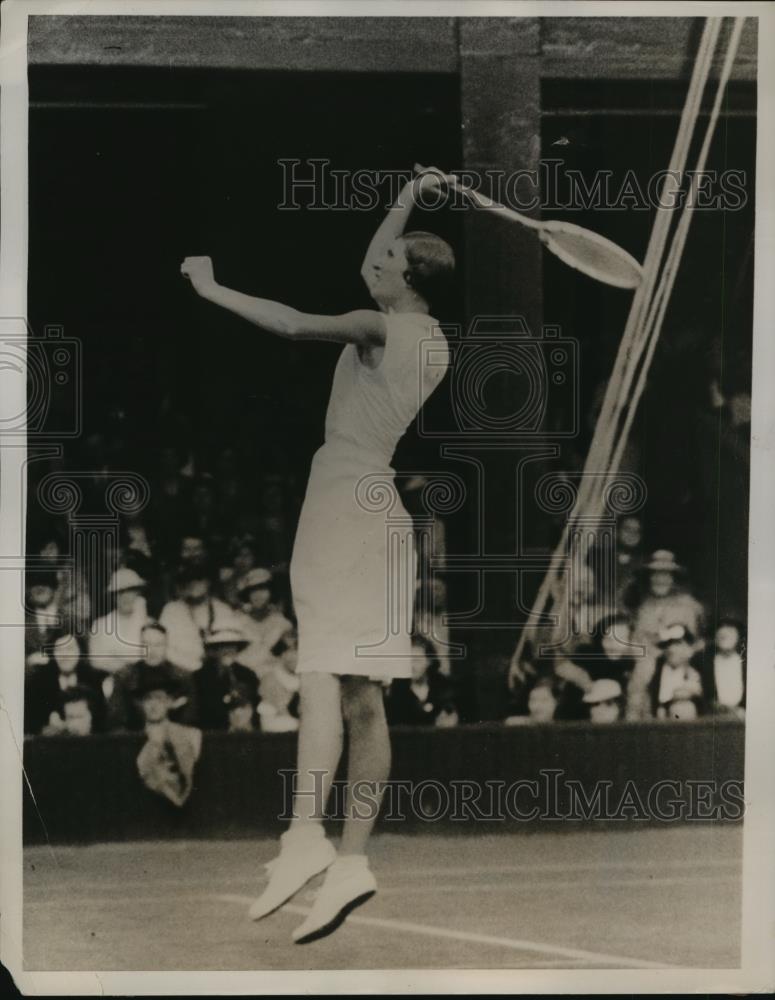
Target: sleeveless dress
353, 602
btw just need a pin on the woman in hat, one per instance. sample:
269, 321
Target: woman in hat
220, 674
114, 639
391, 362
262, 623
604, 700
665, 603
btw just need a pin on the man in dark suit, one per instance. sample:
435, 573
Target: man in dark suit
124, 702
49, 682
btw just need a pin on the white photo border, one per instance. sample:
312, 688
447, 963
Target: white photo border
757, 963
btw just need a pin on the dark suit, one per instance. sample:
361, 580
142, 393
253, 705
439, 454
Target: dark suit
212, 683
656, 681
43, 695
704, 662
124, 711
405, 708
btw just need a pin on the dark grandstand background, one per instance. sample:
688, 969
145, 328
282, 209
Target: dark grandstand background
133, 169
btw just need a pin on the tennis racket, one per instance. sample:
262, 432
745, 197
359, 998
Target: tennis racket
580, 248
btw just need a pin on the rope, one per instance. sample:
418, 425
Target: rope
643, 323
676, 251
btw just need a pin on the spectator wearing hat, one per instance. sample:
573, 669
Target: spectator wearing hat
220, 675
722, 668
114, 639
48, 684
42, 618
168, 757
664, 604
279, 687
194, 614
124, 709
675, 681
261, 622
604, 700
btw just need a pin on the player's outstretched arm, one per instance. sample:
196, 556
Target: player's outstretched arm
394, 223
364, 327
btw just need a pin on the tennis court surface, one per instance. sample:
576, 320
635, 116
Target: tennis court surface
643, 898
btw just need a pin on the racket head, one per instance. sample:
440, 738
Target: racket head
591, 253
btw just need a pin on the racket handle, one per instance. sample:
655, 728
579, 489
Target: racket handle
482, 201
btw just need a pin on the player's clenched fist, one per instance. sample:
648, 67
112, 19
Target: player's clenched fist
199, 271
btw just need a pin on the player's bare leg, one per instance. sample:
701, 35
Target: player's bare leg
349, 881
305, 851
368, 758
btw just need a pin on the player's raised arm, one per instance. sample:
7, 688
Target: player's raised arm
394, 223
364, 327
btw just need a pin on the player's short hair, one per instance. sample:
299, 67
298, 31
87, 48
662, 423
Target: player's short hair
431, 265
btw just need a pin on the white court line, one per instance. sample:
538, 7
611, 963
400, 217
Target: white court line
623, 883
198, 892
514, 944
585, 866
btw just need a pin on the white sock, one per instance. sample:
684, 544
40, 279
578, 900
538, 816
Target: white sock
304, 830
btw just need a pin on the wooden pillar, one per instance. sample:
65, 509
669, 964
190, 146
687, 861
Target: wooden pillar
499, 60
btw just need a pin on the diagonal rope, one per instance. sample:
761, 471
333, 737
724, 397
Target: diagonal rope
643, 323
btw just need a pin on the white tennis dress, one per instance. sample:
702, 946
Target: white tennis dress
345, 589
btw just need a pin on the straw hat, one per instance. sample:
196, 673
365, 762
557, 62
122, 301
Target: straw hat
605, 689
663, 560
125, 579
226, 637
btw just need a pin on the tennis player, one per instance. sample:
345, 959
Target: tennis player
340, 573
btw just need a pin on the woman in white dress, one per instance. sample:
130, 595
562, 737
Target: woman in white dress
340, 572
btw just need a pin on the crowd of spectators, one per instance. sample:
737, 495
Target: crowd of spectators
644, 651
197, 616
195, 629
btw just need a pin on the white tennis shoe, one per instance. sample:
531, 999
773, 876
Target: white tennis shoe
301, 857
348, 883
